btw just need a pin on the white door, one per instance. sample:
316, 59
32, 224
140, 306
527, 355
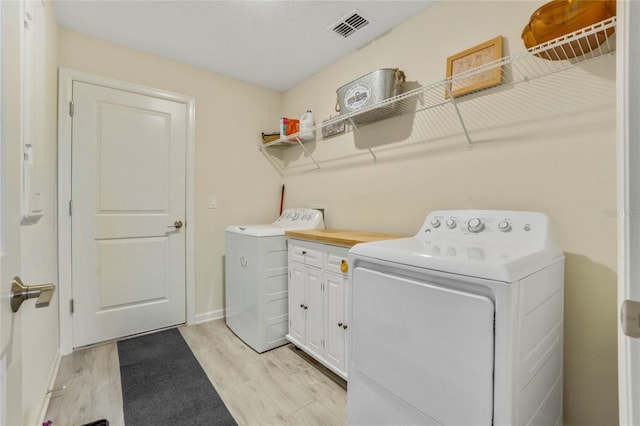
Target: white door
628, 68
128, 191
335, 286
10, 323
314, 309
297, 318
10, 215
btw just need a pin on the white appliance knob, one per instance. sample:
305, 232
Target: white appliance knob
504, 226
435, 223
294, 216
451, 223
475, 225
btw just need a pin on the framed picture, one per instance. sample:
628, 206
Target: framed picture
472, 58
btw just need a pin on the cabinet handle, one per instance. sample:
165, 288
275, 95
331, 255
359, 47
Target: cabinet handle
302, 305
339, 324
344, 266
304, 252
306, 307
344, 326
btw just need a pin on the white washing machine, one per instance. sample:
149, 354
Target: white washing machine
256, 289
460, 325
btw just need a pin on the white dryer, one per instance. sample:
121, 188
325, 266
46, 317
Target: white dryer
460, 325
256, 289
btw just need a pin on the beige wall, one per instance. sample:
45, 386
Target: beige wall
229, 118
545, 146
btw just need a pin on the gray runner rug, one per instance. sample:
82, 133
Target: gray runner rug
163, 383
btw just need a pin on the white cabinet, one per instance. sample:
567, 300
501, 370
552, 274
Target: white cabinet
306, 307
317, 289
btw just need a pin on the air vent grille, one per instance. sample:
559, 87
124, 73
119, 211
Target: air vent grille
350, 24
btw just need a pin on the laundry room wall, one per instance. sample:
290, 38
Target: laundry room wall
230, 115
548, 146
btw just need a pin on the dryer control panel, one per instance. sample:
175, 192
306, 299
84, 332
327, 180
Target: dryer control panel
485, 223
492, 244
484, 234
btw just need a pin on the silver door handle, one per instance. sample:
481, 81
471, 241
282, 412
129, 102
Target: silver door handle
21, 292
177, 224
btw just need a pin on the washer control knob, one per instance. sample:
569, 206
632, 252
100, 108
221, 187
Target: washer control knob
451, 223
295, 216
435, 223
504, 226
475, 225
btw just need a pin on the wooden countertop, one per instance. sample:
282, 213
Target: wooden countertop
341, 237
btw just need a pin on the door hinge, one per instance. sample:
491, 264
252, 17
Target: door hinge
630, 318
71, 307
70, 208
71, 108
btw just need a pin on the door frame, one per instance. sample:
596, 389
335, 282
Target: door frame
628, 131
66, 77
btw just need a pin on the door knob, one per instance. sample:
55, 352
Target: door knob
21, 292
177, 224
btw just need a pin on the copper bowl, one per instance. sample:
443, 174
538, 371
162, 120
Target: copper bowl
561, 17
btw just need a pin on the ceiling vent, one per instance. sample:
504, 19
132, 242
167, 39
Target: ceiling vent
351, 23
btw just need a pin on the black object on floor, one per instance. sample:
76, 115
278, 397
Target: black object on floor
163, 383
101, 422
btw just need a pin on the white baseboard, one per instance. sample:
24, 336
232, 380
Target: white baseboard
209, 316
50, 384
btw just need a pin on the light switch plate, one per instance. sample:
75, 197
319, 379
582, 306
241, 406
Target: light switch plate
213, 201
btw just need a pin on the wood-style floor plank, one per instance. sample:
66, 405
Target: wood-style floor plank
92, 390
279, 387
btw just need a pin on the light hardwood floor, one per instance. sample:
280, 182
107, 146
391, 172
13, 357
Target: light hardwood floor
279, 387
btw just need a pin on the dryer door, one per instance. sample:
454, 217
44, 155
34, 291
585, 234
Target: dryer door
429, 346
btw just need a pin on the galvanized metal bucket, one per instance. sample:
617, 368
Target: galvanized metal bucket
368, 90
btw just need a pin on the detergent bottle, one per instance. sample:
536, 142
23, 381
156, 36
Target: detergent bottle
306, 124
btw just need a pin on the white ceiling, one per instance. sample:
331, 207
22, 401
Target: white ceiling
271, 43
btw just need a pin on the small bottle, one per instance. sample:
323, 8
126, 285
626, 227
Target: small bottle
306, 124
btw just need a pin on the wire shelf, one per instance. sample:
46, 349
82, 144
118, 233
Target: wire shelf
543, 60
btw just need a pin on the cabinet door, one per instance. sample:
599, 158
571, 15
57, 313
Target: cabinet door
336, 331
315, 310
297, 322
